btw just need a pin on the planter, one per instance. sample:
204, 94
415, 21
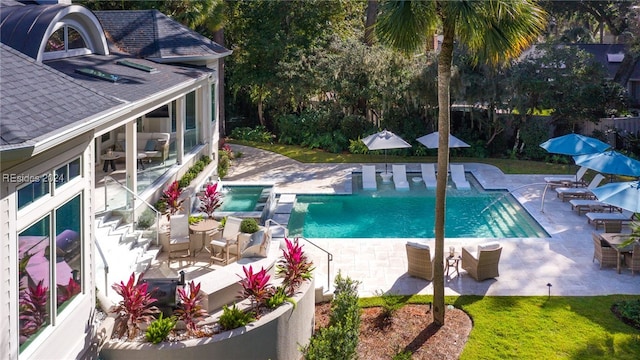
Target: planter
276, 335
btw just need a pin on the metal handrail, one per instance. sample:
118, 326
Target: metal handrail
329, 255
158, 214
106, 266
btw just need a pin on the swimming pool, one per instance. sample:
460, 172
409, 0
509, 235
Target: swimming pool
387, 213
243, 200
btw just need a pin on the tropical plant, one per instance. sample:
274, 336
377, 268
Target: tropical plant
67, 292
256, 287
249, 226
172, 197
294, 266
159, 329
494, 32
278, 297
135, 306
210, 199
33, 309
232, 317
191, 310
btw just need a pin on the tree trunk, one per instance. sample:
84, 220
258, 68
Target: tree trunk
371, 16
444, 79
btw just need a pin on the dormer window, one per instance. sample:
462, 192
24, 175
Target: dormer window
65, 42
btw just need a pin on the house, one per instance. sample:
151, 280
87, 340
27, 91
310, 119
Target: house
84, 96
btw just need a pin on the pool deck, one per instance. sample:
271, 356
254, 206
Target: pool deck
527, 265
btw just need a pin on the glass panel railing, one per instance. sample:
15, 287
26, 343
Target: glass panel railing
121, 201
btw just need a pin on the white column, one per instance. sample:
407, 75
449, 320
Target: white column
181, 115
203, 102
131, 136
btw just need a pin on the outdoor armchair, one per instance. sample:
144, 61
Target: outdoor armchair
179, 242
420, 261
221, 248
482, 263
605, 254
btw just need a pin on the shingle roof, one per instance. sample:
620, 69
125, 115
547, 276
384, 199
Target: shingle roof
600, 51
151, 34
39, 101
134, 85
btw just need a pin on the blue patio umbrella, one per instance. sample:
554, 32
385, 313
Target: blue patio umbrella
625, 195
574, 144
610, 162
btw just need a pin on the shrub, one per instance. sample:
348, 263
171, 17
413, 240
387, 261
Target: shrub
191, 310
159, 329
146, 219
135, 306
223, 165
294, 267
257, 134
628, 311
340, 339
278, 298
233, 317
256, 287
358, 147
249, 226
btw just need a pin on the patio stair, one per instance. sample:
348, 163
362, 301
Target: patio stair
126, 250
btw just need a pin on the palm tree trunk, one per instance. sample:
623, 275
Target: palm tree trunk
370, 20
444, 79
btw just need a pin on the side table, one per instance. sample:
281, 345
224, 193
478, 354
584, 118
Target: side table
453, 262
109, 159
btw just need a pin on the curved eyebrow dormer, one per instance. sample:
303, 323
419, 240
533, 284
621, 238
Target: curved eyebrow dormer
51, 32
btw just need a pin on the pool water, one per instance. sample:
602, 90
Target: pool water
242, 198
410, 214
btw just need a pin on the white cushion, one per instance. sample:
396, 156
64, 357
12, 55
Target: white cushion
418, 245
258, 245
489, 246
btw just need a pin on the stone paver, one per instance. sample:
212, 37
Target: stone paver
527, 265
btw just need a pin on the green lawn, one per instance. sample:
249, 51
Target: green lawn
538, 327
508, 166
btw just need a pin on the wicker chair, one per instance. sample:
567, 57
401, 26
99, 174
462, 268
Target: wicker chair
419, 260
633, 260
605, 254
613, 226
483, 263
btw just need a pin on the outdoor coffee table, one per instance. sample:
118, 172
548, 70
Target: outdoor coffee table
109, 159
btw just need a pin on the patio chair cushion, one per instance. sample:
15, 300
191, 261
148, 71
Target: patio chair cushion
488, 246
258, 245
150, 145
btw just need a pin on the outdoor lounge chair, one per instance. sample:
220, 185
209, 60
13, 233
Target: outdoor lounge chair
400, 177
180, 241
588, 205
420, 261
369, 177
605, 254
429, 175
457, 175
482, 263
600, 218
221, 248
568, 180
566, 193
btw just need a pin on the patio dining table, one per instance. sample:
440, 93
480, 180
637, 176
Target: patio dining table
615, 240
204, 228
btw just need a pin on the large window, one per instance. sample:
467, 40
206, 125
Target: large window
49, 268
41, 185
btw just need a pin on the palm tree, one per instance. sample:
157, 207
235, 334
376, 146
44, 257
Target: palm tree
494, 31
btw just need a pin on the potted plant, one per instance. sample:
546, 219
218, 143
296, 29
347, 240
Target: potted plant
210, 199
248, 227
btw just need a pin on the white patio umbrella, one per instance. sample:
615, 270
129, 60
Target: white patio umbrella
385, 140
431, 141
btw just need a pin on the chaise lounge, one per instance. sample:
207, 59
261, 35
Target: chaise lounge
457, 175
369, 177
429, 175
400, 177
566, 193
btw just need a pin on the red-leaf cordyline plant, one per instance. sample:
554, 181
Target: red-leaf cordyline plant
294, 267
172, 197
135, 306
33, 309
191, 310
210, 200
256, 287
67, 292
